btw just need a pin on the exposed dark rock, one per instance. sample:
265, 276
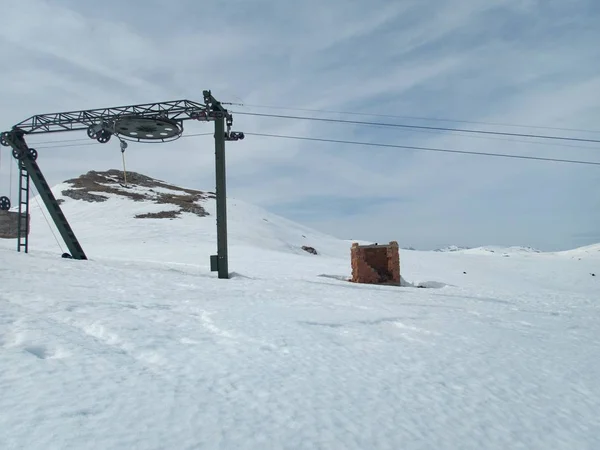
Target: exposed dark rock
81, 194
185, 202
92, 185
159, 215
310, 250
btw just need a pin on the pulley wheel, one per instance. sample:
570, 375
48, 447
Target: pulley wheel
3, 139
103, 136
91, 133
148, 129
4, 203
33, 154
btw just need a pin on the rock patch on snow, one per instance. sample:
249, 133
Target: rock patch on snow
93, 187
310, 250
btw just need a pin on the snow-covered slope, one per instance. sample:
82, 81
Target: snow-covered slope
143, 347
589, 251
106, 228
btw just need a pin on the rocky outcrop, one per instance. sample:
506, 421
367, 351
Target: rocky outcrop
310, 250
99, 186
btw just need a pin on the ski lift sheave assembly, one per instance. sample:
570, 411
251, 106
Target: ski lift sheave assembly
137, 129
144, 123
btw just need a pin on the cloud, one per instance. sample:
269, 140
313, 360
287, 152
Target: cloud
502, 61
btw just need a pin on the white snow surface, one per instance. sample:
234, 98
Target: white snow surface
142, 347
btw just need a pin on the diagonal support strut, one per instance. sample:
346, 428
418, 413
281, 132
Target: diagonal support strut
31, 171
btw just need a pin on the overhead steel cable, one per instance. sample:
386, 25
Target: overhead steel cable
421, 127
375, 144
405, 117
430, 149
87, 141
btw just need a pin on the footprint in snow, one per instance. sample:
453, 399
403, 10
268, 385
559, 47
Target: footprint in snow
41, 352
37, 350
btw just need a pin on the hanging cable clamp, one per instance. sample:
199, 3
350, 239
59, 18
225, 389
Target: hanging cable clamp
123, 147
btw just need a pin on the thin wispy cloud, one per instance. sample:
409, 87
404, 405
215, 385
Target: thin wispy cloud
502, 61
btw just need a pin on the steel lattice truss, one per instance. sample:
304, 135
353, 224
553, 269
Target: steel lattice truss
143, 123
81, 120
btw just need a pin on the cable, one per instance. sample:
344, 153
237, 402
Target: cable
10, 171
123, 145
65, 140
502, 139
374, 124
10, 196
554, 144
354, 113
430, 149
495, 138
98, 143
34, 145
421, 127
48, 223
380, 145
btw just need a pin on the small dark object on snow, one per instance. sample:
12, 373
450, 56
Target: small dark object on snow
593, 274
67, 256
308, 249
465, 273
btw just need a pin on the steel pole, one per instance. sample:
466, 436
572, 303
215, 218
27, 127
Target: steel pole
221, 194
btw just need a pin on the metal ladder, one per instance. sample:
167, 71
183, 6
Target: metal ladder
23, 217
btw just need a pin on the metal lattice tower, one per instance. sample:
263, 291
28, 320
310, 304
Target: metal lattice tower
149, 122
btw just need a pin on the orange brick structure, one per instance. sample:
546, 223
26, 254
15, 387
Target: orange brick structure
376, 264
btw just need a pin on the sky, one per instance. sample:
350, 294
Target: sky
520, 62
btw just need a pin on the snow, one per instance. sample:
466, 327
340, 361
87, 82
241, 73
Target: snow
143, 347
451, 248
583, 252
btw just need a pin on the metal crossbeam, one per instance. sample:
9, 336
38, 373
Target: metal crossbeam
81, 120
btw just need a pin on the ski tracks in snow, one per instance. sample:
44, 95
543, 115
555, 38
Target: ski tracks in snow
159, 359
